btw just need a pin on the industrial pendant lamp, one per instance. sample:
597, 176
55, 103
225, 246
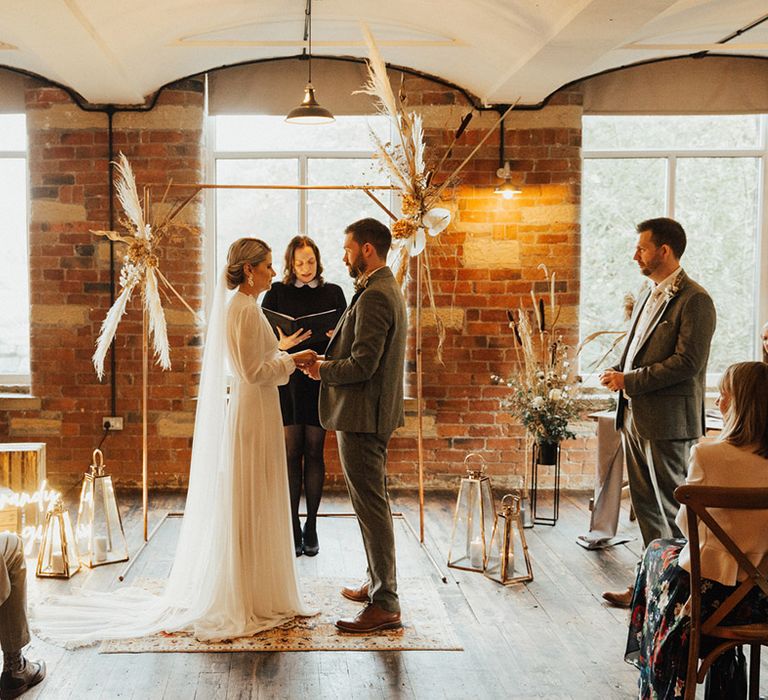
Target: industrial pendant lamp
309, 111
506, 189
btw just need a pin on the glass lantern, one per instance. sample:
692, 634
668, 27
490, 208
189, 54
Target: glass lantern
58, 556
508, 560
473, 519
100, 534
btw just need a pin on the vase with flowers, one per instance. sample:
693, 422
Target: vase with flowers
544, 387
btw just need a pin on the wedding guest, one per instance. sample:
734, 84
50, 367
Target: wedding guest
660, 381
660, 622
361, 398
19, 673
301, 292
764, 340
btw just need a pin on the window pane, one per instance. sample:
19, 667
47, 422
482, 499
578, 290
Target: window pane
272, 215
271, 133
617, 195
717, 201
329, 212
13, 132
671, 133
14, 266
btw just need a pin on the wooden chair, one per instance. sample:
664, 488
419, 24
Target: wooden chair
698, 501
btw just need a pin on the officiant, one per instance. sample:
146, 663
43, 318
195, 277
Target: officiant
301, 292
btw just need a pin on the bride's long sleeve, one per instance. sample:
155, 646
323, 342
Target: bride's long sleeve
253, 349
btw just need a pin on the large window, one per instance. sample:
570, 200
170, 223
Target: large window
264, 150
14, 265
705, 171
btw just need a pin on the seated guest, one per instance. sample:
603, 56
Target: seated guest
19, 674
660, 622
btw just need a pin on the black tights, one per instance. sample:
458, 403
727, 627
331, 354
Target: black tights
304, 451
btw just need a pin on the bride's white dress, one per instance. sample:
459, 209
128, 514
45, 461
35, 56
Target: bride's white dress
234, 573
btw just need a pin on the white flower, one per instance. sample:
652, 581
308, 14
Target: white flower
555, 394
537, 402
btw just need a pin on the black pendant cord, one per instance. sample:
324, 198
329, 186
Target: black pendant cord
501, 143
111, 183
308, 34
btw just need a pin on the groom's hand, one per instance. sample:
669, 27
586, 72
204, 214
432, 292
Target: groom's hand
313, 370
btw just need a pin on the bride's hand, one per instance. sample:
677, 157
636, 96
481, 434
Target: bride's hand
286, 342
304, 358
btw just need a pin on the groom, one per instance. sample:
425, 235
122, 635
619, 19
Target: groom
361, 398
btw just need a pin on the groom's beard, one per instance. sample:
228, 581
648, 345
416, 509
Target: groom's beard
357, 267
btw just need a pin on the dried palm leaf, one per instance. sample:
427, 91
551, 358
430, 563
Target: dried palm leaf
109, 328
127, 195
157, 326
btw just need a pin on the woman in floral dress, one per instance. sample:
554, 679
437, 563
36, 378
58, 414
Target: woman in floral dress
660, 624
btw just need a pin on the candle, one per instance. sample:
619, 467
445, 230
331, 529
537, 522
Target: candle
100, 548
476, 553
57, 563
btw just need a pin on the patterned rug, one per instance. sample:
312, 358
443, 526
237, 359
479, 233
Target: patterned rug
426, 626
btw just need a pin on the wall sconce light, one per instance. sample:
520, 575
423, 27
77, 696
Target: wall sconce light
506, 189
309, 111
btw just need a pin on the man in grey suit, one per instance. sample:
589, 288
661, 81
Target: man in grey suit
19, 674
661, 381
361, 398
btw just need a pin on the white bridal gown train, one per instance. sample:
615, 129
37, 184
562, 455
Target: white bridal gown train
234, 572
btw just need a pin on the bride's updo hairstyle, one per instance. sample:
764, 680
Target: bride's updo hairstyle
244, 250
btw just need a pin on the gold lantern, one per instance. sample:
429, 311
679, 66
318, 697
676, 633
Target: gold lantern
100, 534
508, 545
473, 519
58, 550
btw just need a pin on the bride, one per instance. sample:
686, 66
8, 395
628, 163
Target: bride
234, 571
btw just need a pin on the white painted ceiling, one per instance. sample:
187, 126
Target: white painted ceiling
121, 51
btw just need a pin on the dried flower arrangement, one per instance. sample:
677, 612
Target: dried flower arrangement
140, 265
545, 388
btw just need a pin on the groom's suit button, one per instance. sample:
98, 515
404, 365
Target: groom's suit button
371, 619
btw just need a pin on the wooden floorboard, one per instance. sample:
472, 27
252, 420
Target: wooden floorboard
551, 638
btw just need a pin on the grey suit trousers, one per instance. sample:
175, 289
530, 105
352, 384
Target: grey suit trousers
655, 469
14, 631
364, 461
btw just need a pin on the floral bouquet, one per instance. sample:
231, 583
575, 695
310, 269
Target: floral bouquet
545, 388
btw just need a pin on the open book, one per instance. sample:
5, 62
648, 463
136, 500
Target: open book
319, 324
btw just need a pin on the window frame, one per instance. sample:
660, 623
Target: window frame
8, 379
671, 156
303, 156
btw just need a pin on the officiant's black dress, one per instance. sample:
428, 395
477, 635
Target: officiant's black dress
298, 398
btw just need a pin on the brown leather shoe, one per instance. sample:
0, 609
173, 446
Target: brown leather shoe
359, 595
371, 618
622, 599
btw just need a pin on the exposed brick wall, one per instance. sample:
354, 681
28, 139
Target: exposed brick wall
69, 285
482, 265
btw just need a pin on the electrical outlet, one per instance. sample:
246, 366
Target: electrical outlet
112, 423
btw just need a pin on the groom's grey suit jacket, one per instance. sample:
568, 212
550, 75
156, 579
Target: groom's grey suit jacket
668, 377
361, 388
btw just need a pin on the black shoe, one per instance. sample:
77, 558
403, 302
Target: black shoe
311, 545
299, 550
15, 683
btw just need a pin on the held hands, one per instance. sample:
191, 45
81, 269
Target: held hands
286, 342
612, 380
304, 358
313, 370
